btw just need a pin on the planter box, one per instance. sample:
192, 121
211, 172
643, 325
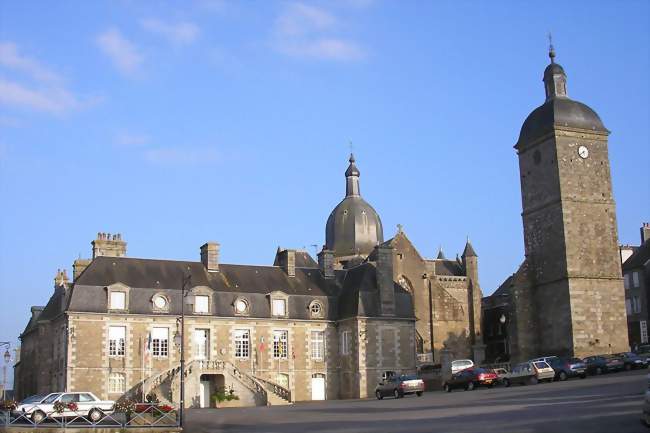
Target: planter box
226, 403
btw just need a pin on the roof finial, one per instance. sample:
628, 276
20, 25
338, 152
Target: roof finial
351, 151
551, 49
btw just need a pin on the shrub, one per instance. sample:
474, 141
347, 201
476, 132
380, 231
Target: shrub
125, 406
8, 405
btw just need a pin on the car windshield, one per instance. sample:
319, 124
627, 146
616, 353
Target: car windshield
541, 364
51, 398
33, 399
405, 377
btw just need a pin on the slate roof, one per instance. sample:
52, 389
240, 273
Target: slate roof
469, 250
639, 258
448, 268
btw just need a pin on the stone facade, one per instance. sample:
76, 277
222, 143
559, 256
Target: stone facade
567, 297
636, 277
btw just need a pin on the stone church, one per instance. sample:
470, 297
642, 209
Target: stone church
296, 330
567, 297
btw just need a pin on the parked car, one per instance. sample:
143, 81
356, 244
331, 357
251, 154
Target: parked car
632, 360
599, 364
76, 404
501, 373
399, 386
531, 372
471, 378
461, 364
565, 367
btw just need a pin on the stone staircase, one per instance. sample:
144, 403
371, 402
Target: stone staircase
251, 390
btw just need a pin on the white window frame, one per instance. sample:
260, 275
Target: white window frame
242, 342
160, 345
345, 342
115, 296
207, 304
280, 345
275, 303
116, 341
317, 345
116, 383
198, 345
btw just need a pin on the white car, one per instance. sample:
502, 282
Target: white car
88, 405
460, 365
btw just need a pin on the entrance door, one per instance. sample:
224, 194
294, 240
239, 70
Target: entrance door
201, 343
204, 393
318, 387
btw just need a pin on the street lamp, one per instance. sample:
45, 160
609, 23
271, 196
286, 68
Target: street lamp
179, 338
502, 319
7, 358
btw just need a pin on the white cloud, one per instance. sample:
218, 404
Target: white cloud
131, 139
307, 31
182, 33
301, 19
55, 100
10, 57
181, 156
121, 51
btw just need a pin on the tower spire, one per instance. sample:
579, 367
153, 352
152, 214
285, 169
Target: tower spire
352, 179
551, 49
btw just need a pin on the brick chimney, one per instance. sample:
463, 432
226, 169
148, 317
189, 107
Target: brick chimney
326, 263
210, 256
645, 232
109, 245
61, 277
287, 261
78, 266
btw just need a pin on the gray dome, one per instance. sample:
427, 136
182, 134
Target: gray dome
559, 112
353, 227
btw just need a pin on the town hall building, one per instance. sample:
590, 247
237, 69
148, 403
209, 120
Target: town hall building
301, 329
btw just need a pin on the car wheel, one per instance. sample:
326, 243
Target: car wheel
533, 380
470, 386
583, 376
418, 393
396, 394
506, 383
447, 388
38, 417
562, 376
378, 394
599, 371
95, 415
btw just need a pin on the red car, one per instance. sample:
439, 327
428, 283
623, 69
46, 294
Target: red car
470, 378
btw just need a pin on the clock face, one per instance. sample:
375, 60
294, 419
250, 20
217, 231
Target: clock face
583, 152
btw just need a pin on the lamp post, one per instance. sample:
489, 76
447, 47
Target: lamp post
179, 338
7, 358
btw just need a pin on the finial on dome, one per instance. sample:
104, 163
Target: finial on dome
551, 49
351, 158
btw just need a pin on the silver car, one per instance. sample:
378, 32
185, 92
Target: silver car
399, 386
87, 405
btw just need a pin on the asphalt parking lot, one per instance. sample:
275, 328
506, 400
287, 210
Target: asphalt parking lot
608, 404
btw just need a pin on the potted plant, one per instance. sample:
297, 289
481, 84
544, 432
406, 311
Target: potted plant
225, 398
127, 407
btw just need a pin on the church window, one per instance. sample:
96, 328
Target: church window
116, 340
317, 345
279, 307
116, 383
201, 304
160, 342
118, 300
345, 342
280, 344
242, 343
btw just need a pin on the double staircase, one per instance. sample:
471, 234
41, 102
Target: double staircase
252, 390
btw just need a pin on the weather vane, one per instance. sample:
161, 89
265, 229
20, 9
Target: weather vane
551, 50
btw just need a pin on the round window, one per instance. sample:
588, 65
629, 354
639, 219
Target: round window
160, 302
315, 309
241, 306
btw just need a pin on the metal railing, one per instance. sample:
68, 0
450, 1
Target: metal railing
145, 415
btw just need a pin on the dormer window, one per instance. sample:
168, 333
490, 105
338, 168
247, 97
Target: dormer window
316, 309
118, 301
279, 307
201, 304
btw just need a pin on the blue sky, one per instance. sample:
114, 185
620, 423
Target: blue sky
181, 122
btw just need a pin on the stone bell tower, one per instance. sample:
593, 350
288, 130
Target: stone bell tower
569, 216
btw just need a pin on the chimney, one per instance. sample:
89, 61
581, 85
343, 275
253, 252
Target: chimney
61, 277
645, 232
287, 261
78, 267
210, 256
385, 281
326, 263
109, 245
